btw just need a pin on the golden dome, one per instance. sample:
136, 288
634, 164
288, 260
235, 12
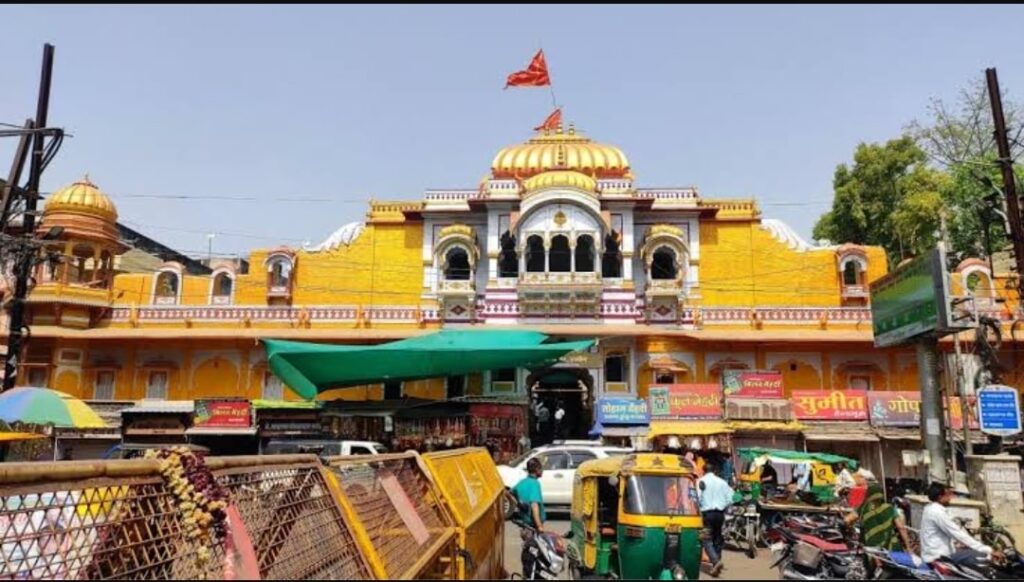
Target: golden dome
82, 197
561, 179
560, 151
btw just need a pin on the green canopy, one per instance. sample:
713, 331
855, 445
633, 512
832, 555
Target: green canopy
310, 368
783, 457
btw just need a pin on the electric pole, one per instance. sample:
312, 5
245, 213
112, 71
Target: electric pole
25, 260
1005, 162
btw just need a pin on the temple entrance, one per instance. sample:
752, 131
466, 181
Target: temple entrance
569, 389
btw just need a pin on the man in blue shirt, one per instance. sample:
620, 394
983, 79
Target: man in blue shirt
528, 492
715, 497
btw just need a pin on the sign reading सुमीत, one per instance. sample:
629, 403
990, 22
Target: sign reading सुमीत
830, 404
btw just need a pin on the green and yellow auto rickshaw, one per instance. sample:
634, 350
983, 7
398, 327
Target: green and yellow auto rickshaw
636, 517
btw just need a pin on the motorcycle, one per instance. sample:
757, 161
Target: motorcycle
1011, 567
544, 554
806, 557
890, 565
740, 529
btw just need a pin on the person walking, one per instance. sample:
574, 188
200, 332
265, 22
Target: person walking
715, 498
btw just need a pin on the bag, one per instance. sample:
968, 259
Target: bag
807, 556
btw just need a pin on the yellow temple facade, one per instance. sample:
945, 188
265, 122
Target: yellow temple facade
559, 237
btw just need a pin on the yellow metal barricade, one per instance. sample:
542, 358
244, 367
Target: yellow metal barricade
118, 520
397, 515
472, 489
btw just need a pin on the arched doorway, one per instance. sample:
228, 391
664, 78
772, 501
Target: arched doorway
571, 389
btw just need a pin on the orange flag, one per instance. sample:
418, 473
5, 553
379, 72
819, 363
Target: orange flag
552, 122
535, 75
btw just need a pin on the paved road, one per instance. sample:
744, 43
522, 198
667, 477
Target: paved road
737, 565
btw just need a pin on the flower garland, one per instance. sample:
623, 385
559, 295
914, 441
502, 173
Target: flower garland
199, 498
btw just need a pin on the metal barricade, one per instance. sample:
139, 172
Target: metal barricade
118, 520
472, 489
395, 508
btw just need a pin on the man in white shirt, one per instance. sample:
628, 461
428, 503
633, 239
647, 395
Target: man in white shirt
939, 532
715, 498
845, 479
559, 415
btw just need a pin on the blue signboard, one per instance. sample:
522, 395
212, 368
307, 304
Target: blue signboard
620, 411
999, 410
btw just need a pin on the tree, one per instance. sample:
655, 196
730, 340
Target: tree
889, 197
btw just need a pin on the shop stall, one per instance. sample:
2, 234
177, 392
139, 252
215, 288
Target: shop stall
836, 421
499, 423
690, 415
287, 420
157, 422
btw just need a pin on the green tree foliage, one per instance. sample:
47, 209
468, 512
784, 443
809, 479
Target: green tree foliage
888, 197
895, 193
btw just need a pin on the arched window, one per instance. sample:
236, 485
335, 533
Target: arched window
280, 273
222, 287
611, 260
508, 260
167, 286
535, 254
663, 264
456, 264
561, 255
851, 273
585, 254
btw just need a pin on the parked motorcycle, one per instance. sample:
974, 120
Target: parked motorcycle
806, 557
740, 530
1011, 567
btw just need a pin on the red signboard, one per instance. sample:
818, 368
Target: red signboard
686, 401
223, 414
895, 408
760, 385
830, 404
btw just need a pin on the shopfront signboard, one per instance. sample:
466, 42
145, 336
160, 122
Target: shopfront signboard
222, 414
622, 411
830, 404
686, 401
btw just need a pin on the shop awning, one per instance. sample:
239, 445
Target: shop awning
687, 428
618, 431
893, 433
840, 431
221, 431
162, 407
310, 368
765, 426
287, 404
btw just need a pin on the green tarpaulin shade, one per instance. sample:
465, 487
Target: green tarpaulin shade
310, 368
782, 456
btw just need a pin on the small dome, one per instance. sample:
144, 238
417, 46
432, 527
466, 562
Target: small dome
560, 151
561, 179
82, 197
84, 213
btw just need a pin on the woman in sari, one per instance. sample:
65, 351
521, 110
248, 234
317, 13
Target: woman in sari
881, 525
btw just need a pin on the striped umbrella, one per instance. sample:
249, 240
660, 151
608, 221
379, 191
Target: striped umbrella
45, 406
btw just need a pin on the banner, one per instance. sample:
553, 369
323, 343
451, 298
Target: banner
955, 415
686, 401
223, 414
830, 405
631, 411
895, 408
741, 383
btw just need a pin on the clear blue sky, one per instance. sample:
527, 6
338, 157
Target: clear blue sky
349, 103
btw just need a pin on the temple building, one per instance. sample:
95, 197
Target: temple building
560, 237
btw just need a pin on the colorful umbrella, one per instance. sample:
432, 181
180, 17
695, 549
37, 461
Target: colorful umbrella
45, 406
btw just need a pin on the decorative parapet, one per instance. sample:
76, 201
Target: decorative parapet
449, 200
385, 212
610, 309
733, 209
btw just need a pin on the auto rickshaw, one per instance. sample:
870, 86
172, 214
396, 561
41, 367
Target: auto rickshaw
636, 517
822, 479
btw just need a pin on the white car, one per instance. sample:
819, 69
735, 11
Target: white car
559, 461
